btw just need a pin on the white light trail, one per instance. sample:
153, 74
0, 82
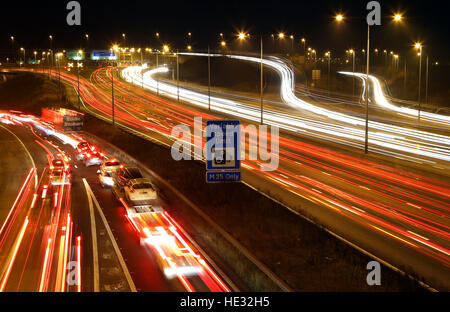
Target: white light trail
329, 125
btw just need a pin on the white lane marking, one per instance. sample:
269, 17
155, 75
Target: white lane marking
113, 241
28, 153
94, 239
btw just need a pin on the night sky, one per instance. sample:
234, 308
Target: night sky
105, 21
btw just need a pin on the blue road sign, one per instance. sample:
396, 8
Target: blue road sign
223, 176
223, 141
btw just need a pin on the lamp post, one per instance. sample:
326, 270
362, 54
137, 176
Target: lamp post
304, 47
50, 37
351, 51
262, 83
292, 44
328, 54
366, 141
23, 51
78, 83
209, 80
157, 80
178, 78
419, 47
112, 96
281, 37
12, 49
426, 83
339, 18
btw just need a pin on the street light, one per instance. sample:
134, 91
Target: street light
241, 36
397, 17
223, 43
339, 17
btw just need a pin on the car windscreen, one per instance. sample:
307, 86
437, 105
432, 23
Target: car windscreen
143, 185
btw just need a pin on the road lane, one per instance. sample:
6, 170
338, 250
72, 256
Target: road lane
44, 238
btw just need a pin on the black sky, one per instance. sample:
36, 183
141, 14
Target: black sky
105, 21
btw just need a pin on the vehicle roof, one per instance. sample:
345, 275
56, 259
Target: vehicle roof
107, 163
140, 180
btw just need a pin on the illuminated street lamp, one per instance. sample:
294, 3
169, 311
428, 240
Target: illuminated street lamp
166, 48
281, 35
241, 36
397, 17
223, 43
339, 17
189, 47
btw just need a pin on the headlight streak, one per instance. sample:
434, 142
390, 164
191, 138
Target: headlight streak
381, 100
439, 145
13, 256
160, 231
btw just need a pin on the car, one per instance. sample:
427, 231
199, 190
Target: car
82, 146
93, 158
123, 175
111, 166
81, 150
106, 179
58, 164
59, 176
139, 192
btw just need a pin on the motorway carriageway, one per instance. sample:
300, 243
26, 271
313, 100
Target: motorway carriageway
52, 236
398, 216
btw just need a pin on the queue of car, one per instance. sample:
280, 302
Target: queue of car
125, 182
